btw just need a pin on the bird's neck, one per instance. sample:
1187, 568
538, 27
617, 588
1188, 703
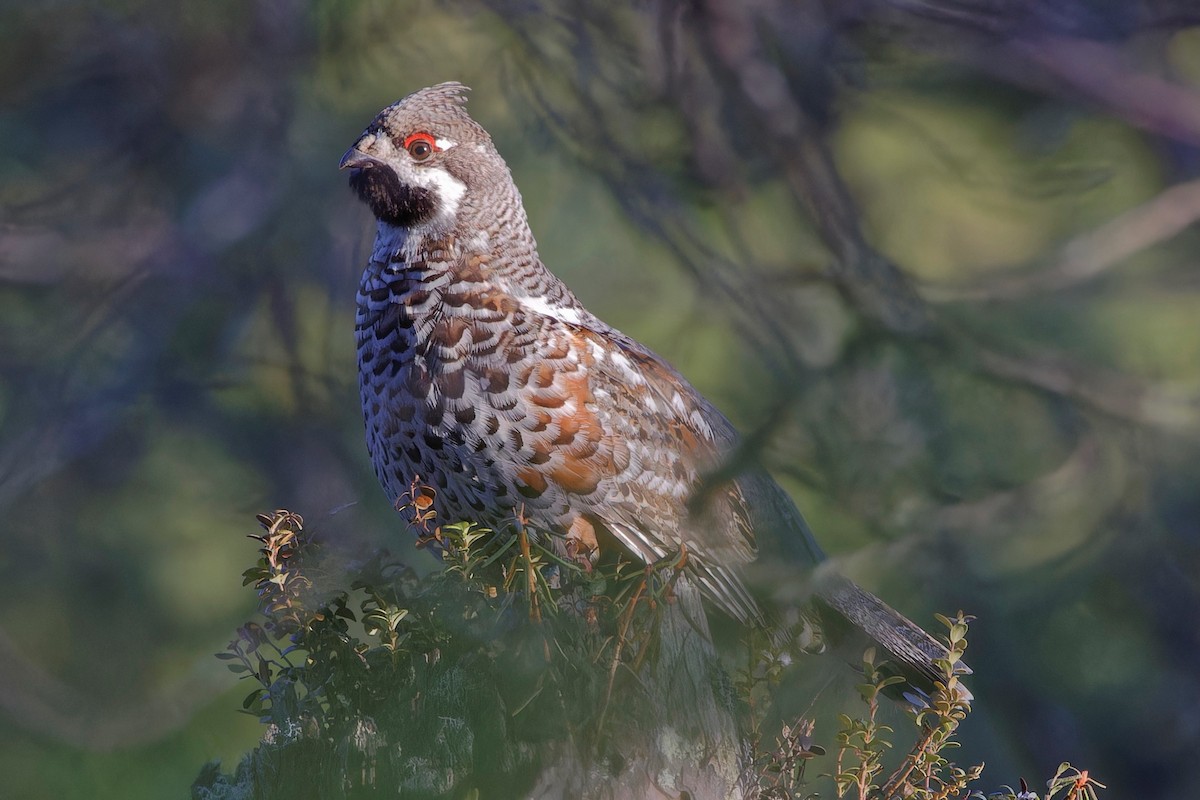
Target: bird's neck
502, 256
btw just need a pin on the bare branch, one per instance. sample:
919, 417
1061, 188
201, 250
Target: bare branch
1122, 396
1100, 72
1090, 254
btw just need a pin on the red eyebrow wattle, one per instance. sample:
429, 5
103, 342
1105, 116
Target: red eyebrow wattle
421, 137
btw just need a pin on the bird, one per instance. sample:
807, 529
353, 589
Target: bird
484, 378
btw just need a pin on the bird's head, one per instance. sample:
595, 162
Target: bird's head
423, 159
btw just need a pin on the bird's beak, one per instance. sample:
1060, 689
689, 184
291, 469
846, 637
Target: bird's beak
357, 159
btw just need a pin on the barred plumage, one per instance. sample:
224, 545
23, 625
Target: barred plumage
484, 377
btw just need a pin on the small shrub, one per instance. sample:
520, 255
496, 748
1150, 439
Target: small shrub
471, 676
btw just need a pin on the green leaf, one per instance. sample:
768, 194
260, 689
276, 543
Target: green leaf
252, 697
867, 691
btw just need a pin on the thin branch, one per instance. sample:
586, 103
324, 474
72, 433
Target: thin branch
1090, 254
1174, 408
1100, 72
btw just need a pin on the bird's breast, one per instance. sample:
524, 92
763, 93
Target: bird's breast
437, 366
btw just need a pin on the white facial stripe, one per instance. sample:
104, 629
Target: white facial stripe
447, 187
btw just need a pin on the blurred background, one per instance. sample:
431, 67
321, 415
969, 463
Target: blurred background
938, 257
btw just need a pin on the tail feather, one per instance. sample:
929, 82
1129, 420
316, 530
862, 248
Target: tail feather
911, 649
848, 611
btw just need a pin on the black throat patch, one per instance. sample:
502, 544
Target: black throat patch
391, 201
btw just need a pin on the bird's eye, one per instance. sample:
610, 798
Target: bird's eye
420, 146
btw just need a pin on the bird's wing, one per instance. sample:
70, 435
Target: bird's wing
757, 503
635, 442
685, 438
632, 441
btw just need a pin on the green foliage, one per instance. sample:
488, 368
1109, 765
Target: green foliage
481, 652
1068, 783
863, 744
491, 663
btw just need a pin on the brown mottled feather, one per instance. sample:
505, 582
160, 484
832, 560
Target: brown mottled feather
483, 376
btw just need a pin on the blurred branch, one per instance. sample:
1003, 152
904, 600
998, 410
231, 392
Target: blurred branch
995, 514
723, 48
1090, 254
882, 292
1100, 72
1024, 42
1113, 393
871, 282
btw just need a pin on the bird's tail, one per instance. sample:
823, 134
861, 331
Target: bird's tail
911, 650
849, 616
